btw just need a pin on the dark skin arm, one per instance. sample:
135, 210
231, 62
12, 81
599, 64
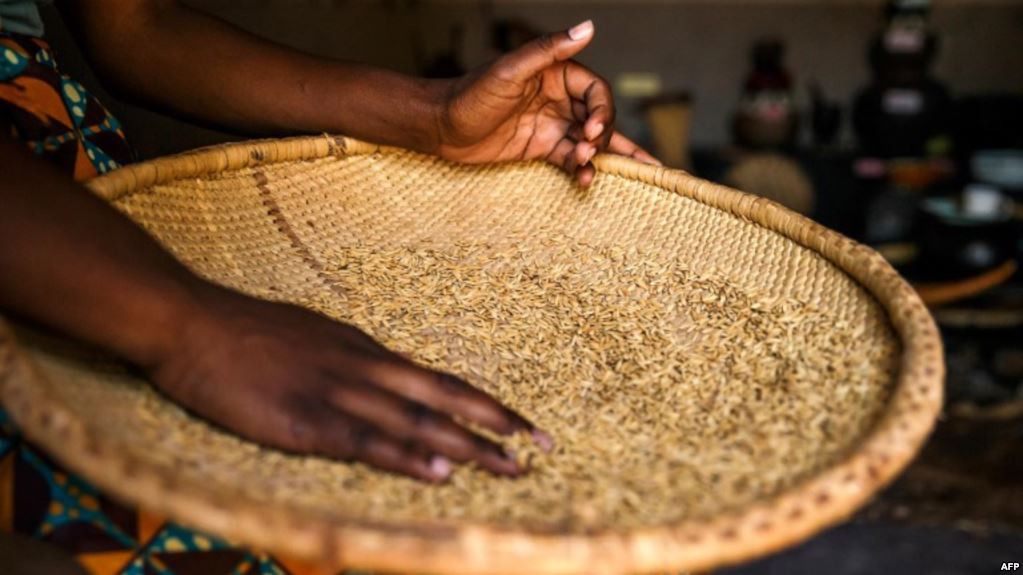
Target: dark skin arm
306, 384
535, 103
274, 373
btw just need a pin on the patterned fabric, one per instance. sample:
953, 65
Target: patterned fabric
57, 119
40, 499
54, 115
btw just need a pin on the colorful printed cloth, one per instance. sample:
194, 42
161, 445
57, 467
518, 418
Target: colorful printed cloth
38, 498
54, 115
58, 119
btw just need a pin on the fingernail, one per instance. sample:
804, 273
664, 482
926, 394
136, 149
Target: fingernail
440, 467
546, 442
598, 130
512, 461
580, 31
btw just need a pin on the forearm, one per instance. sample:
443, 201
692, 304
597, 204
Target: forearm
70, 261
169, 56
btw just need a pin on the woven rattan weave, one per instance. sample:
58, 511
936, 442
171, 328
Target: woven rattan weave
723, 377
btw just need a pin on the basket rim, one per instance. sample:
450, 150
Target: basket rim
337, 542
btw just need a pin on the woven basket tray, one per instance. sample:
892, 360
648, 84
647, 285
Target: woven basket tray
782, 435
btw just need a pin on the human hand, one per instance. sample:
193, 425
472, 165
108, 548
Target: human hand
535, 103
289, 378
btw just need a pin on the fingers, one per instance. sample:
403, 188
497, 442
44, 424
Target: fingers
623, 146
589, 97
449, 394
320, 429
584, 172
574, 158
573, 153
411, 421
595, 95
583, 153
519, 66
585, 175
563, 155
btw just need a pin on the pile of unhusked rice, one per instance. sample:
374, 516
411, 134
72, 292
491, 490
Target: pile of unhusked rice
670, 395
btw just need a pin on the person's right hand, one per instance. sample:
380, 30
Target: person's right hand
289, 378
534, 103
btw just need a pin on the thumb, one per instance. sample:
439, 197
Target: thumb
534, 57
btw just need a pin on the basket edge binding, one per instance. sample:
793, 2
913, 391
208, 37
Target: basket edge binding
784, 519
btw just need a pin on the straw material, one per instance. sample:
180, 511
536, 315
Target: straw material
722, 376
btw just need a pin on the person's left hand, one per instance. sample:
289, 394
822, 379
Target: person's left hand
535, 104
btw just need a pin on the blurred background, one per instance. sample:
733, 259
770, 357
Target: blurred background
898, 123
